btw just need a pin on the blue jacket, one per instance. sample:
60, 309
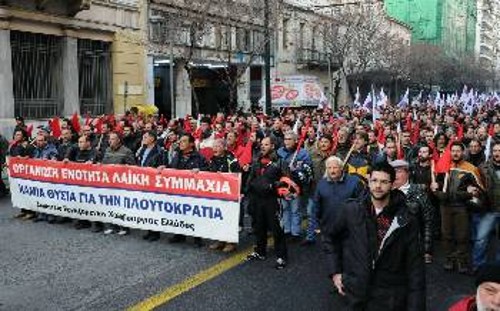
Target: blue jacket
287, 156
330, 195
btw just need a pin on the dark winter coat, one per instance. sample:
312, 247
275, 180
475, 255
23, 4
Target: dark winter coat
391, 277
154, 158
262, 179
329, 196
193, 160
422, 209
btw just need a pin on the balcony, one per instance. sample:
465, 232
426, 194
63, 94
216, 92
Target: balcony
68, 8
312, 57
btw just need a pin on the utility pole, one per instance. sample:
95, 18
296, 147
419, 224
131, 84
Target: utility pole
267, 59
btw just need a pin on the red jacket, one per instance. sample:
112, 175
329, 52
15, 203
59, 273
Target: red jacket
466, 304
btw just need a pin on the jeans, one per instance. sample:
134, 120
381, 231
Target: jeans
291, 218
312, 220
484, 227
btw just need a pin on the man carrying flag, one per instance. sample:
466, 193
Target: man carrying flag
463, 187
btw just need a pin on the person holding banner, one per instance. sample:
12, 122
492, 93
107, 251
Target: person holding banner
20, 147
187, 159
117, 153
84, 153
224, 162
45, 151
263, 181
150, 155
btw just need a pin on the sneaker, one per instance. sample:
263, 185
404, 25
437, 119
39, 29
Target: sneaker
29, 216
255, 256
109, 231
428, 258
154, 237
82, 225
123, 232
215, 246
20, 215
280, 264
230, 247
177, 238
96, 229
198, 242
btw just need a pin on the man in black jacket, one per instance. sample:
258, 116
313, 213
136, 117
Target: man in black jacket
187, 159
374, 253
84, 153
419, 205
150, 155
262, 182
224, 162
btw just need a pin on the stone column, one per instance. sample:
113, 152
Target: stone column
183, 91
6, 79
244, 90
71, 97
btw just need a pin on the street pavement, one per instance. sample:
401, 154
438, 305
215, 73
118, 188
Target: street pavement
55, 267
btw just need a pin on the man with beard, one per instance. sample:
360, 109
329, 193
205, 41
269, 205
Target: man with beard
277, 132
66, 146
103, 140
389, 154
130, 139
418, 204
343, 143
262, 183
464, 184
488, 220
117, 153
374, 148
475, 154
84, 153
359, 161
374, 253
487, 297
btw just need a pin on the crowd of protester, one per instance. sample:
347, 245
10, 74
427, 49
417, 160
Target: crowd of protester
436, 170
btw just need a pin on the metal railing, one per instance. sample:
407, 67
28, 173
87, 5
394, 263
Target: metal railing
310, 56
37, 108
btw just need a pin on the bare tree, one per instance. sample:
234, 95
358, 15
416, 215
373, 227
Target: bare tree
246, 18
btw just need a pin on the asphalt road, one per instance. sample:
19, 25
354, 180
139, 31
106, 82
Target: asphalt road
55, 267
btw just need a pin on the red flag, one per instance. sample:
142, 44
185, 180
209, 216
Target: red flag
162, 120
380, 134
98, 125
29, 130
55, 126
415, 133
75, 122
408, 124
118, 128
88, 120
443, 164
246, 156
460, 131
491, 130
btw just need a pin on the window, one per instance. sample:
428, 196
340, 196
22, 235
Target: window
285, 32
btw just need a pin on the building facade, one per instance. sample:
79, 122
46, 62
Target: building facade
61, 57
450, 24
487, 34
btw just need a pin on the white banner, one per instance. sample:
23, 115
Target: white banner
143, 208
